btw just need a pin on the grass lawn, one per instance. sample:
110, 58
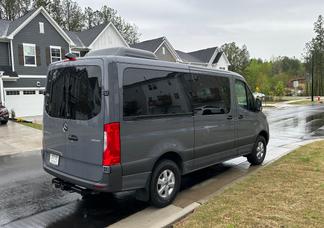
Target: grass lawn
33, 125
287, 193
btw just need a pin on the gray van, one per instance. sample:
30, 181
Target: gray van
119, 120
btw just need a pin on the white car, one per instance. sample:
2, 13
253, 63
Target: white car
258, 95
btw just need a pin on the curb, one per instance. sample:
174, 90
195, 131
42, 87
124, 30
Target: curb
178, 216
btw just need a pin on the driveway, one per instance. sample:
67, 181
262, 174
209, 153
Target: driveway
15, 138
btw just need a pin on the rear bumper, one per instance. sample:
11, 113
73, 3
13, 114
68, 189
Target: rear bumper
109, 183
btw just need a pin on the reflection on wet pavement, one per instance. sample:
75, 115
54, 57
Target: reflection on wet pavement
289, 126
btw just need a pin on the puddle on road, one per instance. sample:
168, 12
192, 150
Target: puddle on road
300, 125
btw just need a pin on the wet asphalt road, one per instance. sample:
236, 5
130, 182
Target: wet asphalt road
28, 199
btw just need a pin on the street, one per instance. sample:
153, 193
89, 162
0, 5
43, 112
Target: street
27, 198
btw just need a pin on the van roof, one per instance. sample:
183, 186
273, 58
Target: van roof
141, 57
123, 51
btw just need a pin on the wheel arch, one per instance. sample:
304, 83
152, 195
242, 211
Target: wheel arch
173, 156
264, 134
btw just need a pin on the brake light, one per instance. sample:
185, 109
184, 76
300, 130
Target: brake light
70, 57
111, 155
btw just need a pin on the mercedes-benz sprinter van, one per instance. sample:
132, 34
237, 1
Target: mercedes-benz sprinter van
119, 119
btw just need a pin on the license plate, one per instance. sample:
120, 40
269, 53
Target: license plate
54, 159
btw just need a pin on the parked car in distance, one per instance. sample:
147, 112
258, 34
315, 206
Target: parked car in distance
258, 95
127, 121
4, 114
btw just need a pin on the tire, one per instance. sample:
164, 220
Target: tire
4, 122
165, 169
259, 151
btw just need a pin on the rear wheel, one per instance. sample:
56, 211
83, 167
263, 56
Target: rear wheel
165, 183
4, 122
259, 151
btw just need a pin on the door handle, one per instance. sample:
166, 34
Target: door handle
230, 117
73, 138
240, 117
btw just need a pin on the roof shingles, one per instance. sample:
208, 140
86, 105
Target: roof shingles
88, 36
16, 23
149, 45
204, 55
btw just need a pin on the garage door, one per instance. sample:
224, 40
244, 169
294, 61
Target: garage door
25, 102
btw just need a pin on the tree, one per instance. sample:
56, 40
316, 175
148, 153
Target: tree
91, 18
46, 4
127, 30
72, 16
314, 56
279, 89
69, 15
56, 11
238, 57
12, 9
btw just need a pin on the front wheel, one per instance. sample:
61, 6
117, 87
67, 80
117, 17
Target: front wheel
165, 183
4, 122
259, 151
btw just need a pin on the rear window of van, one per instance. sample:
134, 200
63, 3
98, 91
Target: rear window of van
74, 92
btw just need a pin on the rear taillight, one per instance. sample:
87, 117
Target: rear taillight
111, 155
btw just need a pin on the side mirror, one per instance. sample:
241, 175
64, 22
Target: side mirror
258, 105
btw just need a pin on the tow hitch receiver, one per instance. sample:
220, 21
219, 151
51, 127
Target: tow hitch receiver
65, 186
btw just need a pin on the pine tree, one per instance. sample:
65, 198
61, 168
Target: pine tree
314, 51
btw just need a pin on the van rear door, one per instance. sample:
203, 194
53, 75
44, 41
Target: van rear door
74, 110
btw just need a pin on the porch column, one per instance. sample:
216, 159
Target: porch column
1, 89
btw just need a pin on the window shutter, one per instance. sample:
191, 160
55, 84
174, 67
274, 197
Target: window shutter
21, 54
48, 56
63, 52
38, 59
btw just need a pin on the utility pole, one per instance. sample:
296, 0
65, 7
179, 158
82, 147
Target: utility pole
313, 59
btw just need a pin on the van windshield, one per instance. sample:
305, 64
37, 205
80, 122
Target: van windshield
74, 92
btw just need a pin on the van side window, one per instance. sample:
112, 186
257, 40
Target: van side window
244, 96
150, 93
210, 95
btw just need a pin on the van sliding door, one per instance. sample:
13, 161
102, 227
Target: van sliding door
213, 118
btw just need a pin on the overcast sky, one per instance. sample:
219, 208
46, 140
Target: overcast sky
268, 27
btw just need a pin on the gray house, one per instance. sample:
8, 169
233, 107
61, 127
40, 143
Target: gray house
162, 48
209, 57
29, 44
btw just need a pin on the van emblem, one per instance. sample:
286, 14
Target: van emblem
65, 127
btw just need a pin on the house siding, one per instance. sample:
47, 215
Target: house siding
167, 57
108, 39
4, 54
30, 34
25, 82
222, 64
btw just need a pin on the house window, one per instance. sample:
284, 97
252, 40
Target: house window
41, 91
29, 54
222, 68
76, 53
55, 53
29, 92
12, 92
41, 27
163, 50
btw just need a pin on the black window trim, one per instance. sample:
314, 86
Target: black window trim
247, 88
